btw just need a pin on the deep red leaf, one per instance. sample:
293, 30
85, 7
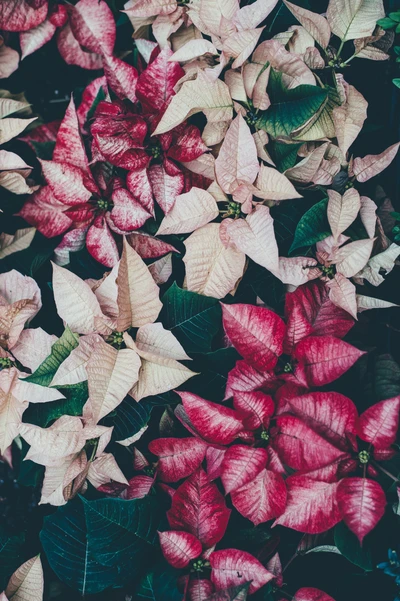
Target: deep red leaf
256, 408
261, 499
256, 333
178, 457
156, 84
179, 548
378, 425
362, 504
311, 507
199, 508
240, 465
231, 567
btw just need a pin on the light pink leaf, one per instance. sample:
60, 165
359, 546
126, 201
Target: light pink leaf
255, 237
273, 185
73, 54
69, 146
166, 186
350, 20
351, 258
372, 165
241, 44
368, 215
237, 161
342, 210
211, 268
342, 293
190, 212
349, 117
316, 25
66, 181
27, 582
35, 38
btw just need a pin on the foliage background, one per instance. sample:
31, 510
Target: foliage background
48, 82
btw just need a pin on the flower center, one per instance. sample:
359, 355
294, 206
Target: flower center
103, 204
328, 270
6, 362
198, 565
264, 435
251, 118
363, 456
156, 151
288, 368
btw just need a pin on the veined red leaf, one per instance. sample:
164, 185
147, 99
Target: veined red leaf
179, 548
330, 414
311, 505
378, 425
231, 567
311, 594
256, 407
240, 465
178, 457
156, 84
261, 499
256, 333
215, 423
362, 504
93, 25
199, 508
300, 447
325, 358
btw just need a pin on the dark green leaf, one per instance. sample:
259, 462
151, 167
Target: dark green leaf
213, 371
323, 120
65, 540
290, 109
122, 534
396, 82
284, 155
128, 418
383, 379
395, 16
30, 473
349, 546
99, 98
60, 350
11, 555
193, 318
159, 585
312, 227
43, 150
41, 414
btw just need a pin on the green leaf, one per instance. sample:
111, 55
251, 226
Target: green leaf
65, 540
395, 16
11, 555
322, 125
128, 418
41, 414
99, 98
59, 352
193, 318
312, 227
30, 473
383, 379
213, 371
386, 23
290, 109
159, 584
94, 545
122, 534
349, 546
396, 82
284, 155
43, 150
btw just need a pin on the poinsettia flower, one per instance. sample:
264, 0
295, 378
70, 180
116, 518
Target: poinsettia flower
104, 313
84, 204
275, 353
344, 487
72, 453
126, 139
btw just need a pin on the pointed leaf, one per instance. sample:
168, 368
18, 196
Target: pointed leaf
378, 425
178, 457
261, 499
362, 504
231, 567
179, 548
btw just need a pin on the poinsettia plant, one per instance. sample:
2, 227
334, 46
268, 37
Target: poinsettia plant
195, 403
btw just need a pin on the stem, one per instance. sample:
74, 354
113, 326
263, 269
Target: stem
288, 563
349, 59
382, 469
274, 19
340, 49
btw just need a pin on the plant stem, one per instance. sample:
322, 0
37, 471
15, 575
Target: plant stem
382, 469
